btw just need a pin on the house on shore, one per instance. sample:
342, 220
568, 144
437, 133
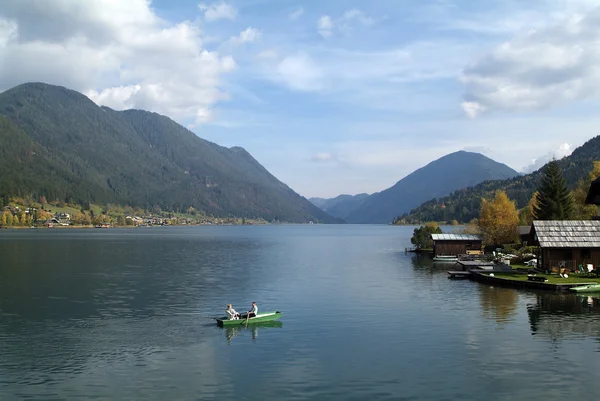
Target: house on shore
523, 232
456, 244
567, 243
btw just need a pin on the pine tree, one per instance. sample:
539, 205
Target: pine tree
554, 200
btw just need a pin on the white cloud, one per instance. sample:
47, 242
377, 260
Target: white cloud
322, 157
299, 72
473, 109
325, 26
217, 11
118, 53
563, 150
296, 14
539, 69
248, 35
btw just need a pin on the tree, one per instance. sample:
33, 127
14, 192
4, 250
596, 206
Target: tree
121, 220
422, 236
9, 218
472, 227
498, 219
4, 218
526, 214
554, 200
581, 210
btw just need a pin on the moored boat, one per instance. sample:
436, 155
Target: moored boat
586, 288
445, 258
260, 318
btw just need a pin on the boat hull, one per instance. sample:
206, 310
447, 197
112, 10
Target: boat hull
445, 259
260, 318
586, 288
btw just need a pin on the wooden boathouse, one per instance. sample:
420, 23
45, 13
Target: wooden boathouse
456, 244
567, 243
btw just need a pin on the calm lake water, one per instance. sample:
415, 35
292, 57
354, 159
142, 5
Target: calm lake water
126, 314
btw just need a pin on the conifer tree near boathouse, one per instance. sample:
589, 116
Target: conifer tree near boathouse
554, 201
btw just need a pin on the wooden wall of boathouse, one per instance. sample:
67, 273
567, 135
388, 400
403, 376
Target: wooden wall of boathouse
455, 247
570, 258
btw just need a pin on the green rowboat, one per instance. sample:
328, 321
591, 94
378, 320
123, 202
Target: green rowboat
260, 318
586, 288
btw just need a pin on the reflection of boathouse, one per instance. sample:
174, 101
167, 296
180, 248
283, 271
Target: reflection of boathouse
564, 315
456, 244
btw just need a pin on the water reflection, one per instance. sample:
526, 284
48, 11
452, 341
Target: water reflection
498, 303
565, 315
235, 331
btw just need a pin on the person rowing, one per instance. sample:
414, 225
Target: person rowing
253, 311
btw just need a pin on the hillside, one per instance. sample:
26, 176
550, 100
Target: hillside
340, 206
438, 178
58, 143
463, 205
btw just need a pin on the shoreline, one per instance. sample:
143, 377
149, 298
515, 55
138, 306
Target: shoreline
483, 277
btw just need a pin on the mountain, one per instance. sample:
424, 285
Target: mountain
438, 178
463, 205
58, 143
340, 206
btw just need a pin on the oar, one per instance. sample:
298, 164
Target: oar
247, 317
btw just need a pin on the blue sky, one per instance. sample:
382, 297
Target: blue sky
331, 96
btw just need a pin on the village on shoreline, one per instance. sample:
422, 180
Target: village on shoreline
17, 215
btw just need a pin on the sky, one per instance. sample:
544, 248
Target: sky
336, 96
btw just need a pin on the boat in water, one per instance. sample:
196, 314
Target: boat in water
586, 288
260, 318
445, 258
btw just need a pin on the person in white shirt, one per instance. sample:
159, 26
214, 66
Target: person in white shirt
253, 311
231, 313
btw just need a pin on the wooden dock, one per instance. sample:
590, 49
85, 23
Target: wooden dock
459, 274
474, 264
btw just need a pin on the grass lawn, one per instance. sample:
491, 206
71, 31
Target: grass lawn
520, 266
66, 209
552, 278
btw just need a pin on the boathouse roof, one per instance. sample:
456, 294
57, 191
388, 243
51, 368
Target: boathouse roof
456, 237
593, 196
567, 233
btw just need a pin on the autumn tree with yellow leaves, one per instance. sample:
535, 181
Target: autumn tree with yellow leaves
498, 220
526, 214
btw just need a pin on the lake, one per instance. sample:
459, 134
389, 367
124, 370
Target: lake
106, 314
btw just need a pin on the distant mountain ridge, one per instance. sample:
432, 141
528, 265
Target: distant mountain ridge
463, 205
341, 205
439, 178
57, 143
